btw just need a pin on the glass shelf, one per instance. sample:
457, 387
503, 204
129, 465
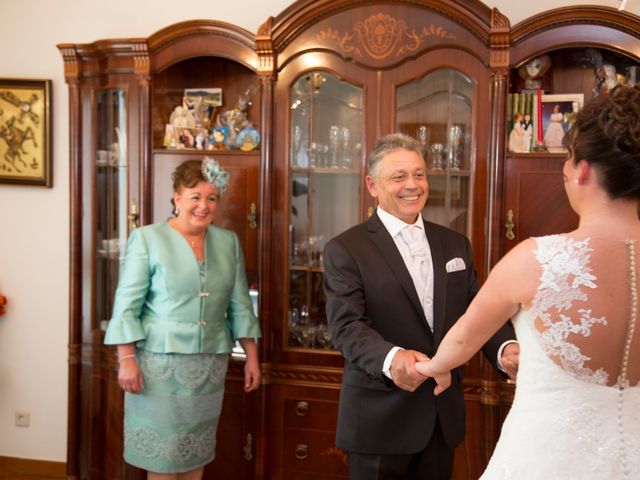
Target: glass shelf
437, 110
325, 166
109, 219
326, 170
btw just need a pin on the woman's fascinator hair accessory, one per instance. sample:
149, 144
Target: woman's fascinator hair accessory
214, 173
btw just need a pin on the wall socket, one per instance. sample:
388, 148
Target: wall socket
23, 419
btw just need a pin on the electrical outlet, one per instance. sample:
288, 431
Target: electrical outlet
23, 419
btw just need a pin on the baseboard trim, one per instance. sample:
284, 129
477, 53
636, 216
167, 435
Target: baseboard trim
14, 468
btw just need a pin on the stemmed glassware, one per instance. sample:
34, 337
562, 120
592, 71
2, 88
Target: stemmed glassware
314, 153
424, 134
334, 140
437, 156
297, 141
455, 147
346, 145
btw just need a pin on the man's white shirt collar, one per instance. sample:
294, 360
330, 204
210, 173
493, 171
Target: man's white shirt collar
394, 225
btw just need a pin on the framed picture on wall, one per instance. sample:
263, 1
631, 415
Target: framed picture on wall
25, 132
558, 114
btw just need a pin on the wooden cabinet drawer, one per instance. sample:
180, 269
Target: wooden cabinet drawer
312, 452
310, 413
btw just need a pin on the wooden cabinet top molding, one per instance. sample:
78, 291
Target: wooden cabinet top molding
177, 42
472, 14
576, 26
380, 34
198, 38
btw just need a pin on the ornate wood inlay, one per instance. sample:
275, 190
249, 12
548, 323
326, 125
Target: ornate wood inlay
382, 35
335, 451
313, 376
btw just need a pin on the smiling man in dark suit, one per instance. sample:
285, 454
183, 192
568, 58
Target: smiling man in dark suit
395, 284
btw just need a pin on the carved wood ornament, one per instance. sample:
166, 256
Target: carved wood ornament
380, 36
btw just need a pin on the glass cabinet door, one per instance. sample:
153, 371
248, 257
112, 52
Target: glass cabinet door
437, 110
324, 193
109, 199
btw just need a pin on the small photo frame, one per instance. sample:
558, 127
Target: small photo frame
208, 96
202, 102
25, 132
557, 116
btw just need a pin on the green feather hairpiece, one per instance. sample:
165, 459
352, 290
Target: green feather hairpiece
214, 173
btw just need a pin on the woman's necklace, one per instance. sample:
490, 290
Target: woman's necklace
193, 240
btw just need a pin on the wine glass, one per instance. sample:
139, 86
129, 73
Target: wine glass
297, 140
455, 147
424, 134
334, 139
345, 135
304, 315
314, 152
437, 154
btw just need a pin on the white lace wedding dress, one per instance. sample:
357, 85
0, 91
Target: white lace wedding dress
576, 411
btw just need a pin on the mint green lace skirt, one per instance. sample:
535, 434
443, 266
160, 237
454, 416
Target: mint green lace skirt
171, 426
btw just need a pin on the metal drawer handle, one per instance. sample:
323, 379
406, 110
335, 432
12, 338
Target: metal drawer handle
248, 448
133, 215
302, 409
253, 216
302, 451
509, 226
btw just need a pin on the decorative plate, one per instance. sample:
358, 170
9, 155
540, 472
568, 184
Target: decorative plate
248, 139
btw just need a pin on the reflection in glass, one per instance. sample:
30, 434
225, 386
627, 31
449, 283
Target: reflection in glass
324, 194
438, 110
110, 206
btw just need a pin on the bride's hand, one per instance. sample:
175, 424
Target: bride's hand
443, 380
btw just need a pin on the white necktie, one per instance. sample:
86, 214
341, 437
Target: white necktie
420, 268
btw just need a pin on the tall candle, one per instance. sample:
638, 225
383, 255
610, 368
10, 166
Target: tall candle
539, 114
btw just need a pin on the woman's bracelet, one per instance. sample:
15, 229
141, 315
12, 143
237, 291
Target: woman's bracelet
124, 357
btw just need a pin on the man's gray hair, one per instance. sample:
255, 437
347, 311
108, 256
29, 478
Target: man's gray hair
387, 144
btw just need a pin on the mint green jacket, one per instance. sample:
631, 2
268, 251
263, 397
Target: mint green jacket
158, 300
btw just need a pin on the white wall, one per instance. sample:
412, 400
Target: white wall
34, 222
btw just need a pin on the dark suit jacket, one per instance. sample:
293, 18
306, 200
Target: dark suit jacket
372, 305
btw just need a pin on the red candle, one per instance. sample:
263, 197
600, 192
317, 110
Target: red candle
539, 114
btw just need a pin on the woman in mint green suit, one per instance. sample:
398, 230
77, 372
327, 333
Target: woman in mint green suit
181, 303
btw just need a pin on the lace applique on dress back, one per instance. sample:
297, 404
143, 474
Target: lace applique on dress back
565, 276
575, 411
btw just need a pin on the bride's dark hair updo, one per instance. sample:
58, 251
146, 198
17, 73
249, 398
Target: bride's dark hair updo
607, 135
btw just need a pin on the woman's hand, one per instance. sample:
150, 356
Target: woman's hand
251, 375
443, 379
130, 376
251, 365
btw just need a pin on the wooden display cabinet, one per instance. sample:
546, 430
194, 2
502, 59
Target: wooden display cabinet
529, 196
372, 68
122, 93
529, 193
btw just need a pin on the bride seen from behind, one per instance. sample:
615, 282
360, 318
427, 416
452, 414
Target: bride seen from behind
573, 299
